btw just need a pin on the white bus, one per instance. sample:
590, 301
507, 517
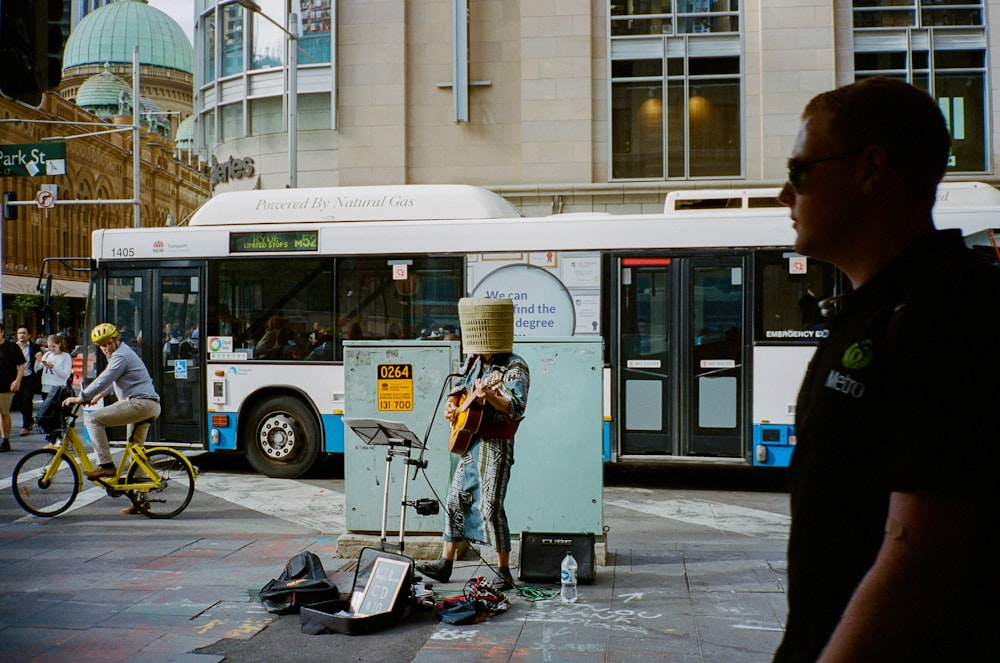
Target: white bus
706, 313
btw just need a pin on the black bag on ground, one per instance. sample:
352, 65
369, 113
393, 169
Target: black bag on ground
302, 582
51, 413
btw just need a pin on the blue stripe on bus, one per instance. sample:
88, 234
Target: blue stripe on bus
775, 442
227, 435
333, 425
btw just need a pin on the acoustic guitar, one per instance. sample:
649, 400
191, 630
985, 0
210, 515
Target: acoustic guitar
469, 415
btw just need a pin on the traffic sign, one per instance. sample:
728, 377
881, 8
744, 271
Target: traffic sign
46, 199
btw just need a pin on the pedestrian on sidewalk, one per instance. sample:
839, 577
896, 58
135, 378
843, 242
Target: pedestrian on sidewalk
891, 555
57, 364
11, 370
31, 381
494, 386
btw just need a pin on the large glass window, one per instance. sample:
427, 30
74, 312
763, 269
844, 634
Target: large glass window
303, 309
654, 17
939, 46
245, 58
209, 46
676, 101
914, 13
314, 111
267, 116
373, 304
232, 40
232, 121
269, 305
315, 24
208, 127
268, 42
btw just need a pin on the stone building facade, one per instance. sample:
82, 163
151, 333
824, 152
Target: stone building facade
97, 168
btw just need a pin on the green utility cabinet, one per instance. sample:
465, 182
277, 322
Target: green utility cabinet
557, 480
379, 377
557, 483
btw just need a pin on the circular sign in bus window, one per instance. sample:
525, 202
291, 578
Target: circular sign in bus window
542, 304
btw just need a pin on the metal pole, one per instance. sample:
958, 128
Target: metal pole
293, 101
136, 127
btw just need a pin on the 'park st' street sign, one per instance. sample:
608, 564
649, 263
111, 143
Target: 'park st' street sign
33, 159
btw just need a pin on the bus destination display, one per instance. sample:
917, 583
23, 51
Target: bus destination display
395, 387
274, 242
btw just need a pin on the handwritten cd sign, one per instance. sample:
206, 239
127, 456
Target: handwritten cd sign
384, 585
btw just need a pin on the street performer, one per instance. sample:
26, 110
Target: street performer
484, 408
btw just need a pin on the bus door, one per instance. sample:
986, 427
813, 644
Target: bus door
158, 314
680, 356
178, 371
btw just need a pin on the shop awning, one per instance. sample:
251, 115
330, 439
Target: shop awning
12, 284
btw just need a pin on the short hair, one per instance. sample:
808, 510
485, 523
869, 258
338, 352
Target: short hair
901, 118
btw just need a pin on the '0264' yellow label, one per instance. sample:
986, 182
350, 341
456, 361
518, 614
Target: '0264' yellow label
395, 387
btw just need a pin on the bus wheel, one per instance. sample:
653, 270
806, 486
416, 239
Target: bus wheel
284, 438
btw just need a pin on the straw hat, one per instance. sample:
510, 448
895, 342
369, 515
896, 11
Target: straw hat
487, 325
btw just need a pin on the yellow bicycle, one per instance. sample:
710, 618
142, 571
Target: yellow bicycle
158, 481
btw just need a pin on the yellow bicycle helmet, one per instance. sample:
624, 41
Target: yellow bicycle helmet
103, 332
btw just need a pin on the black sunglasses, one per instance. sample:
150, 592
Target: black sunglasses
798, 169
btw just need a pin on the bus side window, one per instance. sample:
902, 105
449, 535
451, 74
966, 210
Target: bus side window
787, 308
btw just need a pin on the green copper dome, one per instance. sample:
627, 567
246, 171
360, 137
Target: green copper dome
105, 94
108, 34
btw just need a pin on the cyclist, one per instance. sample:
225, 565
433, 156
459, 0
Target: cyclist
137, 399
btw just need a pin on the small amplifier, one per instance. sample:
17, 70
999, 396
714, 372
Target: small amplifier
542, 555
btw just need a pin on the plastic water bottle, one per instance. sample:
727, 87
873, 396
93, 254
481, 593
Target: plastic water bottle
568, 577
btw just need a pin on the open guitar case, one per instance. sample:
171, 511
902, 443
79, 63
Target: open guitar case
382, 592
341, 615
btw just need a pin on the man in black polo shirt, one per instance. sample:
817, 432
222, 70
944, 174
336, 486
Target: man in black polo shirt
894, 507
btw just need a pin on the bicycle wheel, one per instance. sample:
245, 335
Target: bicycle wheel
40, 497
177, 487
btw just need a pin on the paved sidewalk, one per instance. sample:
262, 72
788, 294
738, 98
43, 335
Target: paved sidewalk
134, 596
677, 604
689, 578
671, 591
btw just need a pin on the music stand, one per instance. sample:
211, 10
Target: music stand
382, 431
392, 434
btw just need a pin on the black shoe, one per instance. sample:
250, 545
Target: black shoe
503, 581
439, 570
5, 445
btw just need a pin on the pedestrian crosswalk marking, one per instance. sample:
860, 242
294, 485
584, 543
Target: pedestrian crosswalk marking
299, 503
293, 501
716, 515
